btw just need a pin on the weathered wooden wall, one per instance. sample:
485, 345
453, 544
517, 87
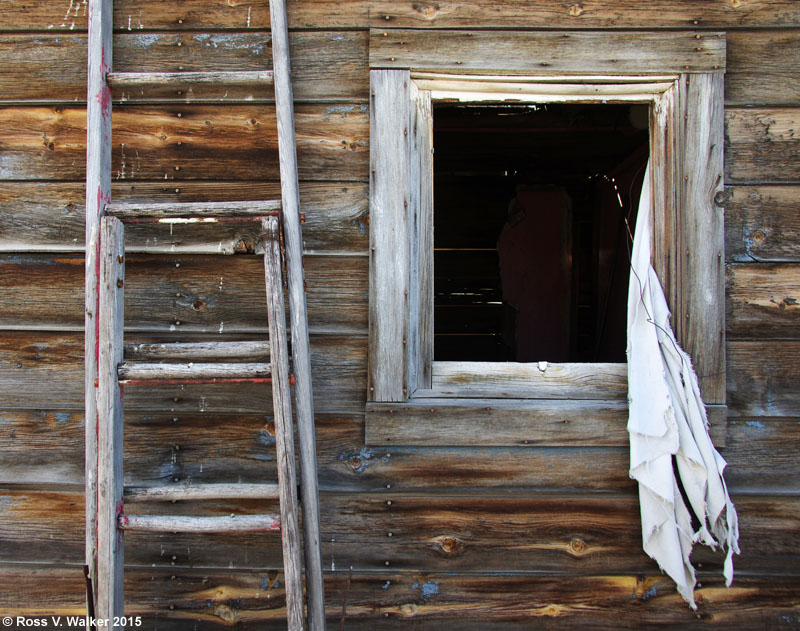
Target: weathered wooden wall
498, 537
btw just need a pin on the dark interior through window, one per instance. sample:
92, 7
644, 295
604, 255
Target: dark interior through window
531, 242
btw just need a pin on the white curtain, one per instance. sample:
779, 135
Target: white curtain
669, 431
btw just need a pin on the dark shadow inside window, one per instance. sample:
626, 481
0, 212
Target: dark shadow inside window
534, 207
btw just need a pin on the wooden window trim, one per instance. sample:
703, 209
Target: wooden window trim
686, 148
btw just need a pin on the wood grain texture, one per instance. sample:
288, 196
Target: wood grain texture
390, 600
762, 223
190, 293
760, 68
130, 371
420, 203
389, 235
762, 378
590, 14
36, 362
50, 216
202, 492
284, 428
197, 525
193, 210
110, 600
760, 452
514, 52
701, 315
134, 15
243, 351
535, 380
527, 533
237, 142
761, 145
504, 423
328, 66
763, 300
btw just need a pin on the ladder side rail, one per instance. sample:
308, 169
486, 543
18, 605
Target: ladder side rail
110, 598
98, 192
284, 432
304, 403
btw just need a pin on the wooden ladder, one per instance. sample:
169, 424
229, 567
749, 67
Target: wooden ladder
112, 365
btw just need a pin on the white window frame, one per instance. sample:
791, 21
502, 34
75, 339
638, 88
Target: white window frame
686, 142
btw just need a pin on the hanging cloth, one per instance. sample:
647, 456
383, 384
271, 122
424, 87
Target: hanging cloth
669, 431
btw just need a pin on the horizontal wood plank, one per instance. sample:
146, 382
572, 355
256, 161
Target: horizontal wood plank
42, 367
192, 293
50, 216
133, 15
513, 52
51, 68
762, 145
595, 14
763, 377
762, 223
504, 423
134, 371
159, 448
187, 142
529, 533
760, 68
542, 380
763, 300
390, 600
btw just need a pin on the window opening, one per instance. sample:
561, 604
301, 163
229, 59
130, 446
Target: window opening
531, 241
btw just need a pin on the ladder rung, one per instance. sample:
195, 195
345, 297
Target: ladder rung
132, 80
202, 492
180, 523
193, 212
158, 371
244, 351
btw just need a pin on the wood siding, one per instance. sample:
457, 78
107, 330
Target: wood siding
483, 537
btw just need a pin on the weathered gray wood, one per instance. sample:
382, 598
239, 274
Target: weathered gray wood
507, 423
762, 145
610, 14
98, 193
144, 371
109, 594
702, 235
284, 431
762, 223
193, 209
48, 67
201, 492
194, 15
509, 380
244, 351
420, 223
33, 362
293, 240
204, 142
141, 80
50, 216
179, 523
389, 230
763, 300
514, 52
182, 294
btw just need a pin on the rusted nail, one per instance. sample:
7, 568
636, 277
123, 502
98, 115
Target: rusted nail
177, 190
391, 411
698, 35
179, 92
96, 381
386, 17
119, 283
180, 114
386, 563
120, 258
175, 399
177, 447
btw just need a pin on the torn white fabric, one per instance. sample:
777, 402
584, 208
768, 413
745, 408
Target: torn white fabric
668, 431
